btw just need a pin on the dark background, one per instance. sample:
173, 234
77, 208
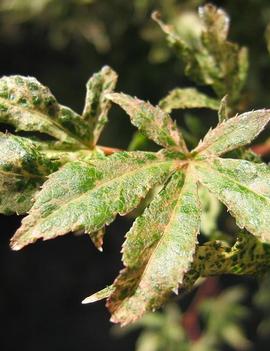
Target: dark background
43, 285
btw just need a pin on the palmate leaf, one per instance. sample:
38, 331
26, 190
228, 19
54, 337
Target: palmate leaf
156, 263
29, 106
152, 121
187, 98
88, 196
22, 171
87, 192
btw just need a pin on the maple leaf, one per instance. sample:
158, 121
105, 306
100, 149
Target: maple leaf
30, 107
159, 250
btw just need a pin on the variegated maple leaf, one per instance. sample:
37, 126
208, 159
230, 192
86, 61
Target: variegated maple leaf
160, 248
30, 107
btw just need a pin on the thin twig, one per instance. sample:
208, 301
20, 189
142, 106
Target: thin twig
109, 150
261, 149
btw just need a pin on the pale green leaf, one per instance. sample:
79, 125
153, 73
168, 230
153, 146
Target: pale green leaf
187, 98
96, 104
211, 209
267, 37
29, 106
244, 187
139, 142
223, 111
85, 196
158, 250
233, 133
22, 171
151, 121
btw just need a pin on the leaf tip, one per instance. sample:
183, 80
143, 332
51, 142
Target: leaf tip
15, 246
156, 15
88, 299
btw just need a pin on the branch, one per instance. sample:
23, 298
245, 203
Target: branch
108, 150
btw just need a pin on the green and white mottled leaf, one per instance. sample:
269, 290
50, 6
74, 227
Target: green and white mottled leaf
29, 106
233, 133
158, 250
187, 98
244, 187
151, 121
96, 104
23, 169
248, 256
85, 196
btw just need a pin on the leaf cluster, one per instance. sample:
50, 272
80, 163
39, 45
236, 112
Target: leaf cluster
76, 186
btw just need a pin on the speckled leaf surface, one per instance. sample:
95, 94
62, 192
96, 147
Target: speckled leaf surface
151, 121
233, 133
96, 105
187, 98
248, 256
244, 187
29, 106
156, 262
85, 196
22, 170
